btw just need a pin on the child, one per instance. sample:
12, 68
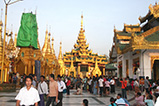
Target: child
149, 100
85, 102
112, 100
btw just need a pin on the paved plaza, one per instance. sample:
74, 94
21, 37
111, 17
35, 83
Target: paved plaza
7, 99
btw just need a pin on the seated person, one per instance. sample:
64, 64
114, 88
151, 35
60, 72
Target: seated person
121, 101
112, 100
157, 90
139, 100
149, 100
78, 92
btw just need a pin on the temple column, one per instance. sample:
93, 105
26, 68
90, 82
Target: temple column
78, 73
52, 70
43, 71
103, 70
5, 75
33, 69
29, 67
26, 69
15, 69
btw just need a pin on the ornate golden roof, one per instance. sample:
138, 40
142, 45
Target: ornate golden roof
81, 47
154, 10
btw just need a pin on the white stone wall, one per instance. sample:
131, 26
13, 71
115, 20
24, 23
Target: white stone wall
144, 60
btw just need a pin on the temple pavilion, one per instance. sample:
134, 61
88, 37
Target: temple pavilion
22, 59
136, 47
81, 61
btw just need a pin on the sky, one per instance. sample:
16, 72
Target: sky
63, 18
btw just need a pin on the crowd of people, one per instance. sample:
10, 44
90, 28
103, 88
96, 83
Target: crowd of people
50, 90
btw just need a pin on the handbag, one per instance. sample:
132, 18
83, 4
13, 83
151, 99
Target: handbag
64, 91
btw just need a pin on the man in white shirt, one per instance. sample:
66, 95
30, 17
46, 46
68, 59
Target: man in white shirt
101, 85
27, 96
61, 87
42, 89
112, 85
157, 102
119, 100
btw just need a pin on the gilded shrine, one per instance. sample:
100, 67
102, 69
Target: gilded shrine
81, 61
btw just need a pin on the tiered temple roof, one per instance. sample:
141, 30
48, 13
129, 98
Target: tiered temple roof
136, 37
84, 56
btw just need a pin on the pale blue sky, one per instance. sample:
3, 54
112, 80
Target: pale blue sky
63, 16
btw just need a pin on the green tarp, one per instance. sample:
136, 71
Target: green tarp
27, 35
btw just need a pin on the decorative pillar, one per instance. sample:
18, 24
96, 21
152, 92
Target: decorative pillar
103, 70
43, 71
5, 75
15, 69
51, 72
29, 67
33, 69
26, 69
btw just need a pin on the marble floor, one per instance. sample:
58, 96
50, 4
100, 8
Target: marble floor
7, 99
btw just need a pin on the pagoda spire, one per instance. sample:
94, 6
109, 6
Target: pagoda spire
15, 40
82, 21
45, 42
60, 52
48, 50
52, 47
81, 45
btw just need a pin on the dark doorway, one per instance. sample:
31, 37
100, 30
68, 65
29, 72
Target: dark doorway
156, 70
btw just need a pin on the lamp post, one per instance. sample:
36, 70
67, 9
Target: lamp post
6, 7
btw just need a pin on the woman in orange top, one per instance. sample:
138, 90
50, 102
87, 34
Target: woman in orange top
123, 86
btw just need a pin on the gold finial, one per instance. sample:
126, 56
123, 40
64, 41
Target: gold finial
52, 47
52, 38
46, 28
49, 34
82, 20
60, 53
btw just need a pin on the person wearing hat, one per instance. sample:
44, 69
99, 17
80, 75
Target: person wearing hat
61, 87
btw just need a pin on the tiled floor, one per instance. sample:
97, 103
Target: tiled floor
7, 99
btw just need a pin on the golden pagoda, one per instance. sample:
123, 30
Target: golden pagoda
81, 61
3, 73
49, 61
61, 62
